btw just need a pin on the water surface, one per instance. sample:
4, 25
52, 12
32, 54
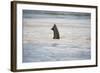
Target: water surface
74, 42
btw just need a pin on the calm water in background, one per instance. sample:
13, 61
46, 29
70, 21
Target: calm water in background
74, 42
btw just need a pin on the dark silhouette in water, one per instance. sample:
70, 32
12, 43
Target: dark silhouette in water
56, 32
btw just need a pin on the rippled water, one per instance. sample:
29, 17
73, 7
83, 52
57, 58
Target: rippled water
74, 42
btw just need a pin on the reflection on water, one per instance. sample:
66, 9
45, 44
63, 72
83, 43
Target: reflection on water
74, 29
55, 45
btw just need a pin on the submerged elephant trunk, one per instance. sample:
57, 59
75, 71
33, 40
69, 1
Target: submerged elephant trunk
56, 32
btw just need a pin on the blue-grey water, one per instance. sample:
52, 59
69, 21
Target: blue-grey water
38, 42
